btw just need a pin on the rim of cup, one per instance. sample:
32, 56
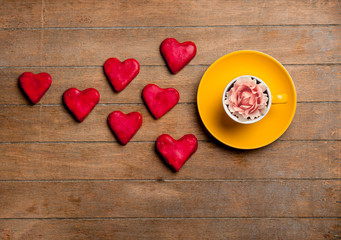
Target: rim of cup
233, 117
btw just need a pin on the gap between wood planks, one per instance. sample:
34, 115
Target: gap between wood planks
120, 104
174, 180
151, 65
200, 140
167, 218
168, 27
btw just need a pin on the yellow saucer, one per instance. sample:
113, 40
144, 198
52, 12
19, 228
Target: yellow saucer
211, 88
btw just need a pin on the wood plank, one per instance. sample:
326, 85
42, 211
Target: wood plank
151, 13
290, 229
113, 161
54, 123
84, 47
313, 83
20, 13
170, 199
90, 13
306, 125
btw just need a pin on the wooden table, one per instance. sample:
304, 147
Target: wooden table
61, 179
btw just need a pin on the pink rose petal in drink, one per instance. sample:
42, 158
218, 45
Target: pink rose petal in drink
246, 99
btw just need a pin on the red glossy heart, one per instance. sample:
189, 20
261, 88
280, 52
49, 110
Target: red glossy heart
120, 74
35, 85
80, 103
177, 55
158, 100
124, 126
176, 152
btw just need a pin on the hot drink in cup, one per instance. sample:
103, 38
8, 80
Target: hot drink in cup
247, 99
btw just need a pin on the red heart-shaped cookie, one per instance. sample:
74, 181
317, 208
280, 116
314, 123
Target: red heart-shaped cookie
176, 152
80, 103
120, 74
124, 126
35, 85
159, 101
177, 55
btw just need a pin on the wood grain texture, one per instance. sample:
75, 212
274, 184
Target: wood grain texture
314, 83
91, 13
20, 13
30, 161
83, 47
170, 199
289, 229
60, 179
55, 123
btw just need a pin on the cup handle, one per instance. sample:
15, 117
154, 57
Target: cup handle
279, 98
